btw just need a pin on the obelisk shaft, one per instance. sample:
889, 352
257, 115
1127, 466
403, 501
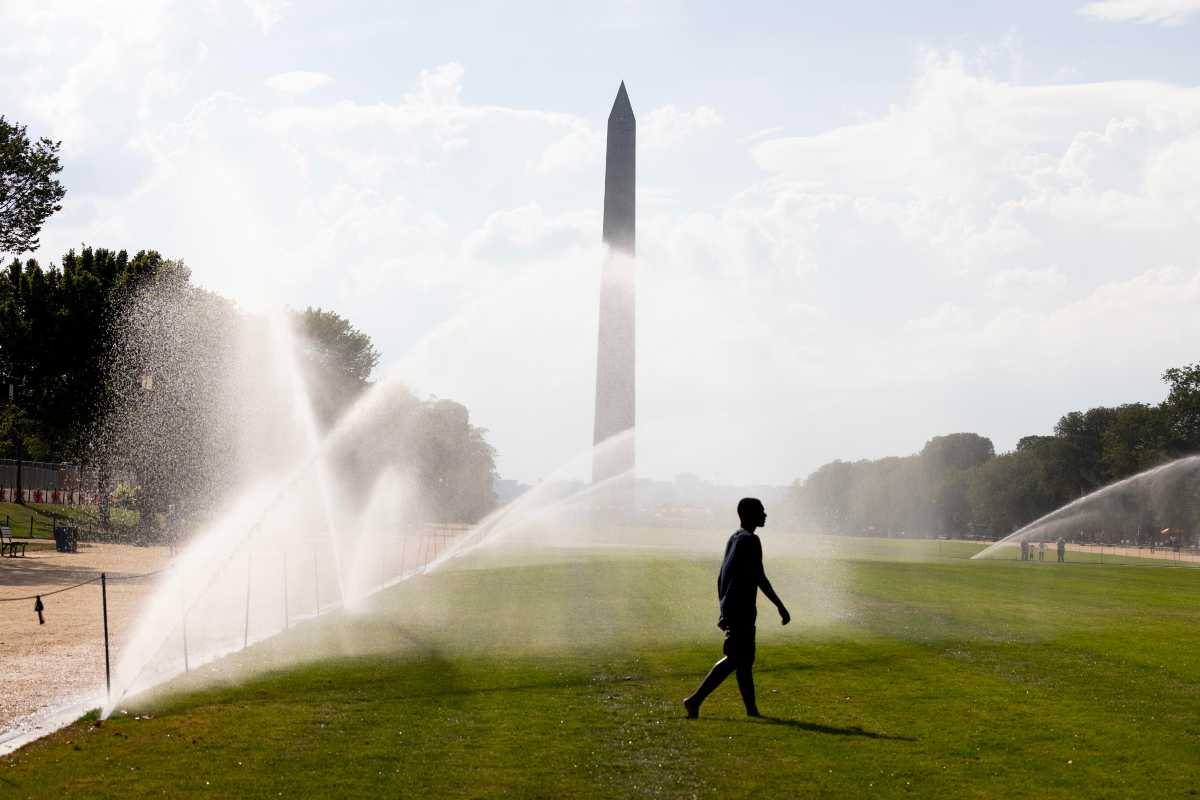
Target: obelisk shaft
616, 357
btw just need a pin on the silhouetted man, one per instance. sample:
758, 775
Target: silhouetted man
737, 591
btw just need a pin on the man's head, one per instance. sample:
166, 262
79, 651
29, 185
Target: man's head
751, 513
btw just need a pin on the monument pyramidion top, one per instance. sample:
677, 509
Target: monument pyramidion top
621, 107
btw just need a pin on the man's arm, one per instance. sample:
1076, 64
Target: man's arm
769, 591
765, 585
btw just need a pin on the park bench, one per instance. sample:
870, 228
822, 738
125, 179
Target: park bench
9, 547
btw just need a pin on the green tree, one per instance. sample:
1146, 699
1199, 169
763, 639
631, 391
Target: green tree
943, 488
29, 191
338, 359
336, 345
56, 334
1135, 440
955, 452
1008, 492
1083, 433
823, 499
456, 463
1182, 408
952, 505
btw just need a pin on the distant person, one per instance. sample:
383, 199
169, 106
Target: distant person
1041, 551
1024, 551
1062, 550
738, 583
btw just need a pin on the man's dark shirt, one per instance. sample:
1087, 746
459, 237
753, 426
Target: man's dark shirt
737, 584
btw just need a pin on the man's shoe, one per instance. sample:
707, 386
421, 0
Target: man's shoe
753, 713
692, 708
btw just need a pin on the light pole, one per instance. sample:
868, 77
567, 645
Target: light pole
146, 502
18, 434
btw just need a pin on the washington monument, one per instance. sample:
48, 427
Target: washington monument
616, 356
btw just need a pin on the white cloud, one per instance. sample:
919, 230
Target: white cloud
577, 149
298, 82
668, 126
947, 318
986, 173
529, 232
1020, 281
981, 256
267, 13
440, 86
761, 134
1160, 12
83, 72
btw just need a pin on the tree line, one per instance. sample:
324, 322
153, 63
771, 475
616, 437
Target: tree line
97, 346
958, 486
123, 365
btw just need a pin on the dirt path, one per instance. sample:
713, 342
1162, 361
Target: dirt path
45, 666
1157, 553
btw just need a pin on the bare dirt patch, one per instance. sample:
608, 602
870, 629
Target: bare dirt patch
47, 666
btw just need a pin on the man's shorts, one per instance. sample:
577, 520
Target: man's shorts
739, 644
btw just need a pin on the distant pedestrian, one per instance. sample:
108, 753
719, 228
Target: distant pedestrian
1062, 550
1041, 551
738, 583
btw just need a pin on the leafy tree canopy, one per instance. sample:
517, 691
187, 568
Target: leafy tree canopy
337, 345
29, 191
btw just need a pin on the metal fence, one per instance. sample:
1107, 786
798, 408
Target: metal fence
283, 587
45, 482
44, 475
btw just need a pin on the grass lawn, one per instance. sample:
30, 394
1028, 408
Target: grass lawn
901, 677
42, 515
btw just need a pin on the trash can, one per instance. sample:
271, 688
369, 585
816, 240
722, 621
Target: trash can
66, 539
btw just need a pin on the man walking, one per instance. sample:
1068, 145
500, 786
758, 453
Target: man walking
738, 583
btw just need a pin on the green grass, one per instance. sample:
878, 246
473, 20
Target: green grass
42, 515
901, 677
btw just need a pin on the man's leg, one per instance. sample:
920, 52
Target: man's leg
719, 672
744, 661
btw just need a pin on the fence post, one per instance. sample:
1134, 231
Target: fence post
286, 620
246, 633
104, 610
382, 539
387, 554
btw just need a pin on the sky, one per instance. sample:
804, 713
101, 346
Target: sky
860, 225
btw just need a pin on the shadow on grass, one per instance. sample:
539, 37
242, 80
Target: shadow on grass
830, 730
435, 671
